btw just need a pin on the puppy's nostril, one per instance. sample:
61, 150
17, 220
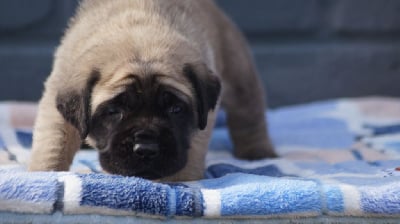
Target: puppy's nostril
146, 151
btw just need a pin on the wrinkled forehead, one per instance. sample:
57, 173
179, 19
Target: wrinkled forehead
112, 83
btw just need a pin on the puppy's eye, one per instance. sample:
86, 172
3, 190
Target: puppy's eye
112, 111
172, 104
175, 109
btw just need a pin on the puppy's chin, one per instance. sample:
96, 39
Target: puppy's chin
120, 159
131, 166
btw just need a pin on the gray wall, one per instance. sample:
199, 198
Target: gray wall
29, 32
305, 50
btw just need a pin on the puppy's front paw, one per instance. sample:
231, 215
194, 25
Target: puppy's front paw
255, 152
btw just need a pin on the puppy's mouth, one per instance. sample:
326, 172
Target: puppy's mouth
149, 174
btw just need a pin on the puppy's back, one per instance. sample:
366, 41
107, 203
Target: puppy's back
100, 22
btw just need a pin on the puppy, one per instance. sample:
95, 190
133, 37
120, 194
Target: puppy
141, 81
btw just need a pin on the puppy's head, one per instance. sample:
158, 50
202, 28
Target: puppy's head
142, 119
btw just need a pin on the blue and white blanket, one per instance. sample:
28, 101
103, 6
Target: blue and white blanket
338, 159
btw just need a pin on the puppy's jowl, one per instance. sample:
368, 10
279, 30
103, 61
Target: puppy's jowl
141, 81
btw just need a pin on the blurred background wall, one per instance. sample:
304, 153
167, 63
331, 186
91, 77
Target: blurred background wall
305, 50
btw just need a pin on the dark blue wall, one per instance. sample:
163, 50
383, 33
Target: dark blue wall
305, 49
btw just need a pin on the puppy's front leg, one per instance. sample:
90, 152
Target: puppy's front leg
245, 116
55, 141
244, 101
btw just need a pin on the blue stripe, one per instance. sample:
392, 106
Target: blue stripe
32, 188
357, 155
126, 193
333, 199
270, 196
393, 145
382, 200
2, 143
384, 130
188, 202
220, 170
24, 138
140, 195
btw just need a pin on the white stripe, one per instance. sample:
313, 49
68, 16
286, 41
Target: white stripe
351, 200
72, 192
172, 202
5, 114
212, 203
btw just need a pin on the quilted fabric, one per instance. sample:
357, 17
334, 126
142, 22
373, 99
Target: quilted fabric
338, 158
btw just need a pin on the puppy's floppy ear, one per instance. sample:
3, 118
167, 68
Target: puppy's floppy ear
207, 88
74, 104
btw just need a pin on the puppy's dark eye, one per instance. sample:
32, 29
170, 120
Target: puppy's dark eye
171, 103
175, 109
112, 111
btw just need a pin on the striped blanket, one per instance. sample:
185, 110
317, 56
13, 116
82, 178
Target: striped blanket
339, 160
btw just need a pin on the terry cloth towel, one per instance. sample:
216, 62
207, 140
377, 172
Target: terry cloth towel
338, 158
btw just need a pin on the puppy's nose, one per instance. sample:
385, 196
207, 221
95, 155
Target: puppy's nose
146, 150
